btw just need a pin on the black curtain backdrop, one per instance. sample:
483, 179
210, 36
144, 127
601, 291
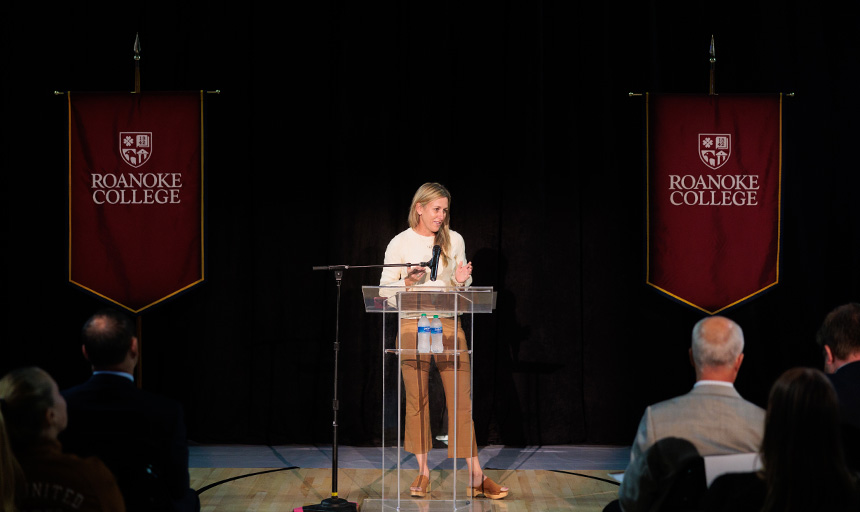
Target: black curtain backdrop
331, 114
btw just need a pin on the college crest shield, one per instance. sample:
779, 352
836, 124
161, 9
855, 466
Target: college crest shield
715, 149
135, 147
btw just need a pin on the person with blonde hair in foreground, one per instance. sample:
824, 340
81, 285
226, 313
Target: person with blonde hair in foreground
36, 474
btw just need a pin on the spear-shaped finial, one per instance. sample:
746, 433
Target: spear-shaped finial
713, 60
137, 62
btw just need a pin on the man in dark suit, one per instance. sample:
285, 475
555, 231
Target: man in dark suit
139, 435
839, 339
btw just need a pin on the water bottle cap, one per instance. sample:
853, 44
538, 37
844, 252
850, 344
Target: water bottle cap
435, 316
423, 314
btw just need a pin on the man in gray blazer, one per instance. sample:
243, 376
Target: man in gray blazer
712, 416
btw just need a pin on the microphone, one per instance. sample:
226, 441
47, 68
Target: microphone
434, 262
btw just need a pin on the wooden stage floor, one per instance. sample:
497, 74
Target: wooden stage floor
253, 478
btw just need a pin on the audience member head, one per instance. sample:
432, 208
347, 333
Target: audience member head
804, 464
33, 407
109, 342
839, 337
717, 349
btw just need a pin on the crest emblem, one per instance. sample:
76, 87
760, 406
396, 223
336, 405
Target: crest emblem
135, 147
715, 149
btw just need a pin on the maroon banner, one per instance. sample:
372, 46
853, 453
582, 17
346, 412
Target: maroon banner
135, 195
714, 177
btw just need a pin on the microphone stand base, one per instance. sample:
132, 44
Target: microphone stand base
329, 504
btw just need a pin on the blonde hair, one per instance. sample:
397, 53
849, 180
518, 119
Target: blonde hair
25, 395
427, 193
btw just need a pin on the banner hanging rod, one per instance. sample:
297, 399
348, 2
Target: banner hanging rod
634, 94
62, 93
137, 70
712, 59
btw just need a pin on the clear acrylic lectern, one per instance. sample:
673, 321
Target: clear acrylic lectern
448, 486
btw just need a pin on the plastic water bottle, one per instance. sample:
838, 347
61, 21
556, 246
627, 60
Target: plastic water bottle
423, 335
436, 335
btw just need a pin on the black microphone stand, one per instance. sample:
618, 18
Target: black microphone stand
335, 503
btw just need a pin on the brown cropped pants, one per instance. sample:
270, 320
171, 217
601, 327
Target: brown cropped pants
416, 370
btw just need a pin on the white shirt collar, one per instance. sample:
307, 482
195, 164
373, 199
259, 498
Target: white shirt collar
120, 374
713, 383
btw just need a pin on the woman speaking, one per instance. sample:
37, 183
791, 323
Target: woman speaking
428, 227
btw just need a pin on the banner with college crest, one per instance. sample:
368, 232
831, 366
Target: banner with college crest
713, 198
136, 219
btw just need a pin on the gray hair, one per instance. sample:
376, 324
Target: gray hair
717, 341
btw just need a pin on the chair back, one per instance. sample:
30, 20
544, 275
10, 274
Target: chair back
716, 465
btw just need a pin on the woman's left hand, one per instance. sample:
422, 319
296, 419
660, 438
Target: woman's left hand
463, 271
